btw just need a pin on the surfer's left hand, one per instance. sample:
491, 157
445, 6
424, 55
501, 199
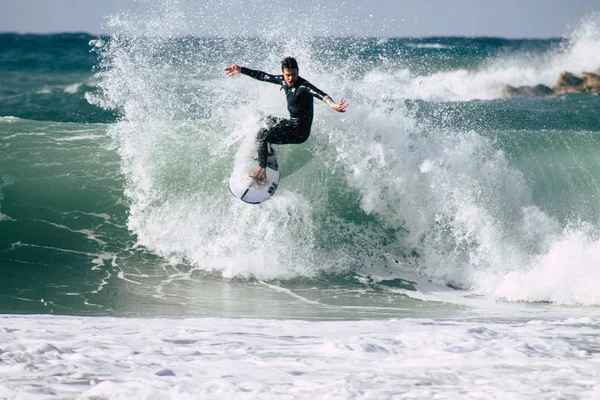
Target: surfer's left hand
341, 106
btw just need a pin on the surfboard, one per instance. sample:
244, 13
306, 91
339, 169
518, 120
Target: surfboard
250, 191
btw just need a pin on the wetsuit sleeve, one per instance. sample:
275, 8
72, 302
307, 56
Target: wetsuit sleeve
319, 94
262, 76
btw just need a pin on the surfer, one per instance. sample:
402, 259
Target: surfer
299, 94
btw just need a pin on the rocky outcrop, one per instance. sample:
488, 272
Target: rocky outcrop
527, 91
586, 82
592, 81
568, 81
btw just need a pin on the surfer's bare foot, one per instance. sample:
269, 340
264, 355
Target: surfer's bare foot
259, 174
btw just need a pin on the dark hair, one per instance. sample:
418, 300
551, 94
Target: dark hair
289, 63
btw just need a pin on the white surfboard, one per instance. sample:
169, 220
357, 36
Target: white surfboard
250, 191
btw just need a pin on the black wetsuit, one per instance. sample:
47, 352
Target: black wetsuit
300, 106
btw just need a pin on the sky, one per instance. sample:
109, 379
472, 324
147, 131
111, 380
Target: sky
401, 18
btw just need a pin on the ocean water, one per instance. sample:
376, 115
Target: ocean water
435, 241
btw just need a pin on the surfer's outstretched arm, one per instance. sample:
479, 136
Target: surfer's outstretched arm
259, 75
324, 97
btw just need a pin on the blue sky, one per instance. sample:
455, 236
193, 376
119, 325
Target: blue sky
412, 18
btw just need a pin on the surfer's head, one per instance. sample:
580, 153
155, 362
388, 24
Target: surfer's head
289, 67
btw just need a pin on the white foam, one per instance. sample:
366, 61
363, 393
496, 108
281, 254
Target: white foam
191, 358
9, 119
72, 89
436, 46
567, 273
44, 90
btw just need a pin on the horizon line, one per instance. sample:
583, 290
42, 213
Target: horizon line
433, 36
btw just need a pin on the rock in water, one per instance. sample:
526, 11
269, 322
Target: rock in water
569, 83
527, 91
586, 82
592, 82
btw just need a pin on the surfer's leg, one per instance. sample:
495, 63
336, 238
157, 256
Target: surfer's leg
282, 131
277, 130
288, 131
262, 146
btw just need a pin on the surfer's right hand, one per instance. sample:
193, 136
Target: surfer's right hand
233, 70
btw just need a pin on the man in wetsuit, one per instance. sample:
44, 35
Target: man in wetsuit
299, 94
